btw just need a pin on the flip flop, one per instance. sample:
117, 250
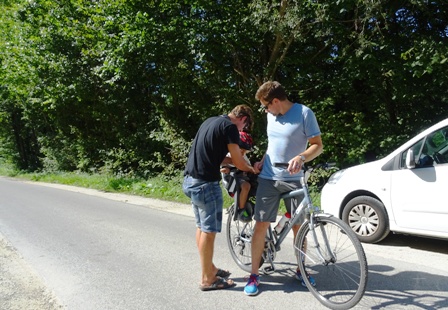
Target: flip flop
223, 273
219, 284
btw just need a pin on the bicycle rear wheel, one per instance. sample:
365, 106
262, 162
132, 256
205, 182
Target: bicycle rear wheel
332, 254
239, 236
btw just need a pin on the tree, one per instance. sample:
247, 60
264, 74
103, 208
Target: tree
370, 70
122, 86
18, 136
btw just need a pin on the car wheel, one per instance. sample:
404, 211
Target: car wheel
367, 217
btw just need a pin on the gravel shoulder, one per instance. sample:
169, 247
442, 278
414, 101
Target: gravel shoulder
20, 287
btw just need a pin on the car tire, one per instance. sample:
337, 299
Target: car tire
367, 217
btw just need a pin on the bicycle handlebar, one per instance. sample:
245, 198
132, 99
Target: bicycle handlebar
281, 165
324, 166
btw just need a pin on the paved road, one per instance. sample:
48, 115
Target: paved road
93, 250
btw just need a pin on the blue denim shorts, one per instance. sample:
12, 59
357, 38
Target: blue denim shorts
206, 199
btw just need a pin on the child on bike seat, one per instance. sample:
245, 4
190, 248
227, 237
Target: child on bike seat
231, 177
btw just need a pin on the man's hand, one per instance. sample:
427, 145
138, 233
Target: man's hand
238, 159
295, 165
258, 166
225, 170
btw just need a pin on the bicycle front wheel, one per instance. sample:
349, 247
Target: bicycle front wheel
239, 237
331, 253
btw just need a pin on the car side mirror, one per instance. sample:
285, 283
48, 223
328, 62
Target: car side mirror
410, 160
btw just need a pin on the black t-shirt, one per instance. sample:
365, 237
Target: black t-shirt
209, 148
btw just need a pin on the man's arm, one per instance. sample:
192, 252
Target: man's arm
314, 149
225, 165
259, 164
227, 161
238, 159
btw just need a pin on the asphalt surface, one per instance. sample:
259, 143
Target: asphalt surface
21, 288
405, 272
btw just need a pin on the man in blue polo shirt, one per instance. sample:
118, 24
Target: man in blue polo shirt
293, 138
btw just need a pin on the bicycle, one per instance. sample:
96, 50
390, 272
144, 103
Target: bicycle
325, 247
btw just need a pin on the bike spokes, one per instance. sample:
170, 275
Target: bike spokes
335, 259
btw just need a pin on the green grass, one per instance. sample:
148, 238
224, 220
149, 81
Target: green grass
159, 188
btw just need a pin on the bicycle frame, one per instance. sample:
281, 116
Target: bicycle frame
304, 206
293, 221
317, 246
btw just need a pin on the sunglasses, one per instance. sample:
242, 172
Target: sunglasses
265, 107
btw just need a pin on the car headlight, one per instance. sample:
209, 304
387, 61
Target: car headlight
335, 177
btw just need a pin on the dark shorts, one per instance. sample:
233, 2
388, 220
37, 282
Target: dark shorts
206, 199
268, 199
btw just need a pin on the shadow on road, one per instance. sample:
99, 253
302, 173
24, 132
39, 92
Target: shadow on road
408, 289
418, 243
403, 290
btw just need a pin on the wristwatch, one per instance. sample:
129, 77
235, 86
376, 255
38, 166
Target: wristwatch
302, 158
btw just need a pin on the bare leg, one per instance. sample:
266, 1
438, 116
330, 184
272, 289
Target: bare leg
295, 229
205, 243
244, 193
258, 240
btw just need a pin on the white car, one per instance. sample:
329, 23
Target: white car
403, 192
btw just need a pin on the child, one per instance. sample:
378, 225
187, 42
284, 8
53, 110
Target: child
229, 181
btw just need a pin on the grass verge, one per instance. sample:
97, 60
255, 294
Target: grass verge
159, 188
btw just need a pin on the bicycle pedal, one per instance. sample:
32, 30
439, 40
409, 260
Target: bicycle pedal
269, 270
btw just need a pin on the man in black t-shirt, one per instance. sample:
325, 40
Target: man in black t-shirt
215, 138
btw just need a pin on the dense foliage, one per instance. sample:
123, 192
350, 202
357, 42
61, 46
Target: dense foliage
122, 86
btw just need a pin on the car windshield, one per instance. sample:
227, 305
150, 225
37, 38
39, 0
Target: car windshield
443, 146
431, 150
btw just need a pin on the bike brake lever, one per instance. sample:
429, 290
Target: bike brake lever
286, 165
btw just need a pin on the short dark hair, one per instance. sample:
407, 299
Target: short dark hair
244, 110
271, 90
